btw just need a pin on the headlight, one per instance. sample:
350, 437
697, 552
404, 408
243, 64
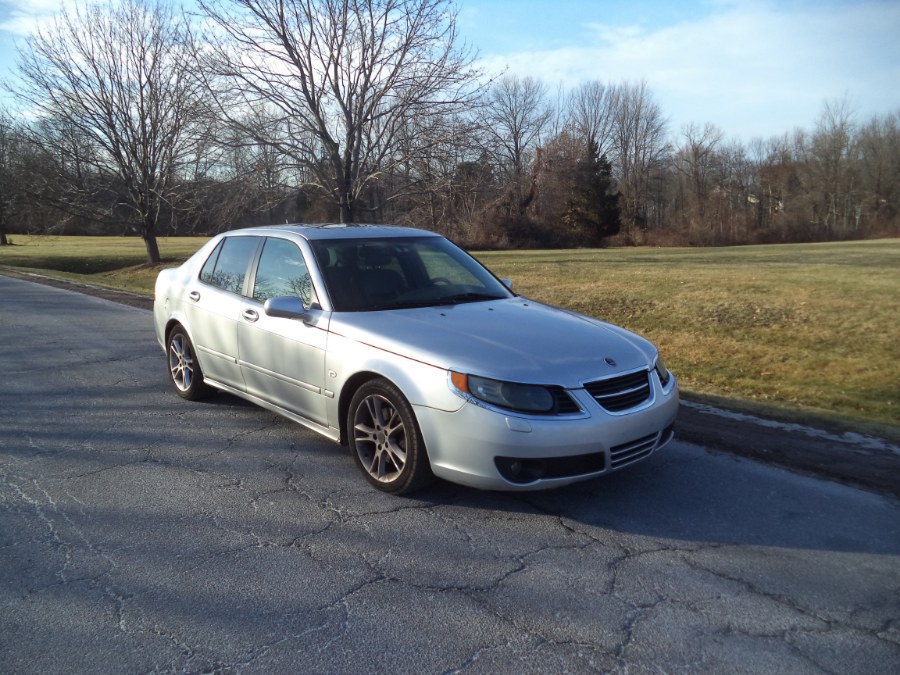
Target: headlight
663, 372
508, 395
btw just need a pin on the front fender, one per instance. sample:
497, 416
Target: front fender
349, 363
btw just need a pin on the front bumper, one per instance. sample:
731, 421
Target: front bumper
483, 448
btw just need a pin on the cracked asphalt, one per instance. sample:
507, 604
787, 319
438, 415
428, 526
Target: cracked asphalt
143, 533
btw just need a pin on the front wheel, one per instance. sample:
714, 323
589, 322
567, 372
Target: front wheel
385, 440
184, 370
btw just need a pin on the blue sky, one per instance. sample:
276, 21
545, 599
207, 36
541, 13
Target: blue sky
754, 68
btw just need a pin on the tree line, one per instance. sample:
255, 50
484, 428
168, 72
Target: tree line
133, 117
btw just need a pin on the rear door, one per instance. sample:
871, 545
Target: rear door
214, 306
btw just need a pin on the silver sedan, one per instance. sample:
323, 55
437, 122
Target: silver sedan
399, 344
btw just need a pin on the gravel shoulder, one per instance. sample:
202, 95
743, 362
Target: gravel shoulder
851, 458
855, 459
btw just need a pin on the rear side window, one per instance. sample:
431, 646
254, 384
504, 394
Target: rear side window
209, 267
227, 267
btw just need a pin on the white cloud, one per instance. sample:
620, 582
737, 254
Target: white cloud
752, 68
24, 19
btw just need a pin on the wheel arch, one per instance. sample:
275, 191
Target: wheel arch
170, 326
390, 467
171, 323
420, 384
351, 386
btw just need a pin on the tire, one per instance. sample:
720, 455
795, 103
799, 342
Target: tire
183, 367
385, 439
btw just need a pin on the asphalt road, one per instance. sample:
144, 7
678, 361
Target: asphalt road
140, 533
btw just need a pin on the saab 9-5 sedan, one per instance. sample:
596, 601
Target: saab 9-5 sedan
402, 346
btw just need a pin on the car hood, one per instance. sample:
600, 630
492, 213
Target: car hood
512, 339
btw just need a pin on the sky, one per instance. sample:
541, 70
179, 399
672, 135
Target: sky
752, 68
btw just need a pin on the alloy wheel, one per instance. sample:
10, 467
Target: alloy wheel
380, 438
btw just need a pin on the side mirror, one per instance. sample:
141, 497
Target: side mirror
508, 283
285, 307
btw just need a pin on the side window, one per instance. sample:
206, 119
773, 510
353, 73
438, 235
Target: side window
281, 271
228, 269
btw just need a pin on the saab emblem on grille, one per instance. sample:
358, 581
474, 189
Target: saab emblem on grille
610, 361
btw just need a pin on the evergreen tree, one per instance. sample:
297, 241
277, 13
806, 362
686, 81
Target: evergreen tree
593, 205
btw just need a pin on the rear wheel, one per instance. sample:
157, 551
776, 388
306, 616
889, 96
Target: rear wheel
184, 369
385, 440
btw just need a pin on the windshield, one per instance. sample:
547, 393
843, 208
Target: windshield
396, 273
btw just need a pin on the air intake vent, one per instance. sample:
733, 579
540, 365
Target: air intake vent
627, 453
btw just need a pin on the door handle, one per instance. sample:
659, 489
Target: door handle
194, 295
250, 315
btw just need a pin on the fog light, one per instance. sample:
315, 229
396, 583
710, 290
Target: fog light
520, 471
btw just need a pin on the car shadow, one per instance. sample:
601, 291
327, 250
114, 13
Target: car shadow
683, 492
688, 493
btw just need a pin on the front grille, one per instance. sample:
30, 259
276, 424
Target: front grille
621, 393
627, 453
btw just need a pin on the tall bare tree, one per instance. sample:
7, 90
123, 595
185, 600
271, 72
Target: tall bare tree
880, 166
592, 113
640, 147
345, 77
698, 160
117, 76
10, 174
515, 112
831, 169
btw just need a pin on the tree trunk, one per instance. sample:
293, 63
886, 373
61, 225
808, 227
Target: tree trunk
347, 214
152, 246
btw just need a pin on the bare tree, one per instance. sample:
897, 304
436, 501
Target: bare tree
880, 167
831, 170
640, 147
345, 77
698, 159
117, 77
592, 113
515, 111
429, 181
10, 173
736, 174
259, 177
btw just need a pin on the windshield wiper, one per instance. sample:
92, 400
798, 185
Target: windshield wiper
411, 304
457, 299
460, 298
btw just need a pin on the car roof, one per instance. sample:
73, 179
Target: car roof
337, 231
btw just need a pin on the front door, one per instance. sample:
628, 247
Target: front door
283, 360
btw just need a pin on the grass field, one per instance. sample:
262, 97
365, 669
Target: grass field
795, 330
